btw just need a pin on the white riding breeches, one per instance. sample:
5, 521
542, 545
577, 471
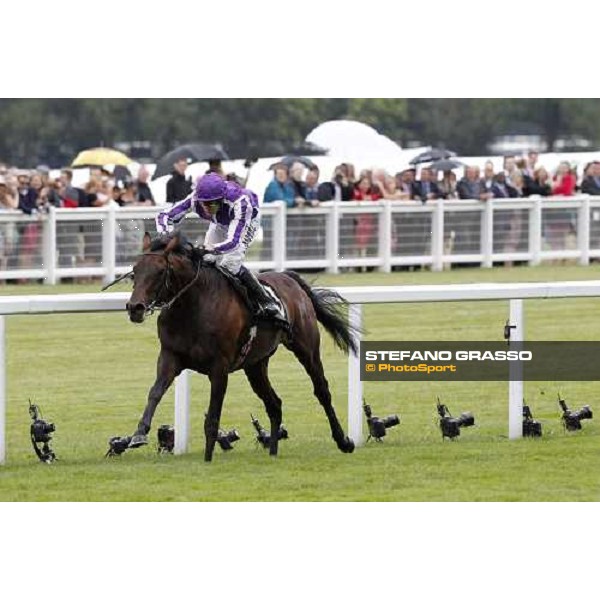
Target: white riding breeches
232, 261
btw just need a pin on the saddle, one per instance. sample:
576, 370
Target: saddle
243, 292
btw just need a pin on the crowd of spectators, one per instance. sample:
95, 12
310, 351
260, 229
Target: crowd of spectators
520, 177
34, 191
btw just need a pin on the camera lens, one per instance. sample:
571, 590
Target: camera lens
391, 421
466, 420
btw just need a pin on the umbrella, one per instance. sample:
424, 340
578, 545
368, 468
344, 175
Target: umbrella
446, 164
98, 157
121, 173
191, 153
289, 160
432, 155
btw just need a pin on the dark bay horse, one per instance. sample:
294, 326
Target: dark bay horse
205, 324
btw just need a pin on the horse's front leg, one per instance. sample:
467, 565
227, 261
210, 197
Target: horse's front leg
218, 386
167, 369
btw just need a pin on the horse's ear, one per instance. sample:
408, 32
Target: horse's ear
173, 243
146, 242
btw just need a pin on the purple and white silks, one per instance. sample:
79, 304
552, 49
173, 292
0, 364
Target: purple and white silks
238, 208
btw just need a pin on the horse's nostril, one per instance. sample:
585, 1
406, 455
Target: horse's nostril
135, 307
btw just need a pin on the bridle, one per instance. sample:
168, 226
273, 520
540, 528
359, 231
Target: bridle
166, 286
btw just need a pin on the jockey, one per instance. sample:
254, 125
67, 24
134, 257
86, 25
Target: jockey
233, 213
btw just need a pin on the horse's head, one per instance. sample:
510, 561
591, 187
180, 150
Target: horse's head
154, 276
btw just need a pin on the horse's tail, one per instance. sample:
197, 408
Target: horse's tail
329, 307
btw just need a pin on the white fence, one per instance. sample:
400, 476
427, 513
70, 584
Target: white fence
515, 292
88, 242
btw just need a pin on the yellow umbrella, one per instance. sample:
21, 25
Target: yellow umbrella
98, 157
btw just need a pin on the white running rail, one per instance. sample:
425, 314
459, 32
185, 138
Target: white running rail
357, 296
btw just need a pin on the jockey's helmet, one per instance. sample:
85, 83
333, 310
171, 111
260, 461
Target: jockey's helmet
210, 187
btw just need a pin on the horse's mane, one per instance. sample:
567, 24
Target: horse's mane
185, 248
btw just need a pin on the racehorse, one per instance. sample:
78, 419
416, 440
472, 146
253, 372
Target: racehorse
206, 325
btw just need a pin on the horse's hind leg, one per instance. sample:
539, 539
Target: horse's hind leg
167, 369
218, 386
309, 357
258, 377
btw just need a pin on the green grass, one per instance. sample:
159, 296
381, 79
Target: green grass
91, 373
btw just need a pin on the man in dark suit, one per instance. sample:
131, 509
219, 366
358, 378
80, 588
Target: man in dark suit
178, 187
591, 183
426, 188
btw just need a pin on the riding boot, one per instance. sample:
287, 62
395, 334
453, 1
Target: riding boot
266, 305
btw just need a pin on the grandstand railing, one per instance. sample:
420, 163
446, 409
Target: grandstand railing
103, 242
516, 293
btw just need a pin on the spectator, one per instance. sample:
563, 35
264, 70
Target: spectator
510, 222
116, 193
501, 189
426, 188
365, 225
143, 189
531, 166
73, 196
469, 187
517, 182
539, 185
216, 166
296, 175
130, 230
129, 195
510, 166
364, 190
312, 187
340, 188
280, 188
41, 192
9, 200
56, 193
564, 181
348, 170
447, 186
591, 182
391, 191
487, 182
404, 181
377, 178
29, 233
27, 195
94, 197
178, 187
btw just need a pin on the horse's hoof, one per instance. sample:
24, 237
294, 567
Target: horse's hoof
346, 446
138, 440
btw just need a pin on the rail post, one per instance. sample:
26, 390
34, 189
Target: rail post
182, 412
515, 384
355, 388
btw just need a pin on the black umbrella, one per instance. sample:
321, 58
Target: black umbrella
432, 155
446, 164
121, 173
289, 160
191, 153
